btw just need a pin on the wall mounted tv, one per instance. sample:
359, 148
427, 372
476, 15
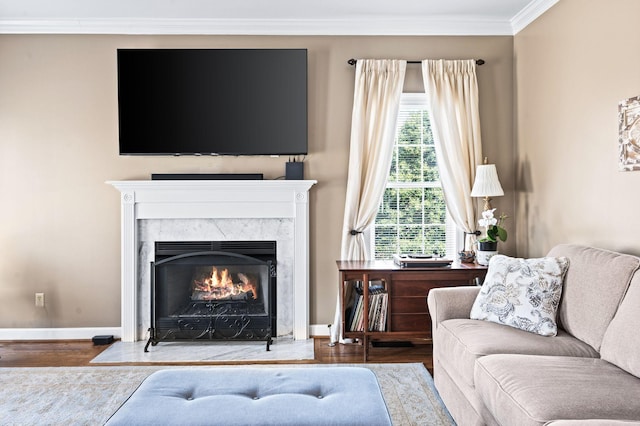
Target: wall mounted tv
212, 101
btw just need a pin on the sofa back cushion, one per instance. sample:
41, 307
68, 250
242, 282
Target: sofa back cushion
621, 342
594, 285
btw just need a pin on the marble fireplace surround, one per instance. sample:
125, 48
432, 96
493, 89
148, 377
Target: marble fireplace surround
215, 210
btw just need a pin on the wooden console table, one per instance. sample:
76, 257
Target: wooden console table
404, 315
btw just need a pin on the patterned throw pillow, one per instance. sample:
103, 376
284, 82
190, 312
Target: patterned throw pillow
522, 293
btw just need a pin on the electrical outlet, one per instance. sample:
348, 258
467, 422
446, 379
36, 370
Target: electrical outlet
40, 300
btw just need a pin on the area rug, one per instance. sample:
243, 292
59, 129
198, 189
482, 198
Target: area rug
89, 395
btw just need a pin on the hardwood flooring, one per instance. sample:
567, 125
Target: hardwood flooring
81, 352
72, 353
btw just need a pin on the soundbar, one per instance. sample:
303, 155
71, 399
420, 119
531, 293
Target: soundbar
207, 176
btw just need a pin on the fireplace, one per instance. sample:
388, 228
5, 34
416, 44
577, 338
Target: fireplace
213, 290
265, 210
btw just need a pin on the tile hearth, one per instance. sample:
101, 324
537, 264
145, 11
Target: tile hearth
283, 349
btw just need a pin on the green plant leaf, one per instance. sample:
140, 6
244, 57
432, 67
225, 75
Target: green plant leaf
502, 233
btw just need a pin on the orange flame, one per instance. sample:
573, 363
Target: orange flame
220, 285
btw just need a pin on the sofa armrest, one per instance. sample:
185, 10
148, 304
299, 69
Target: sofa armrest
450, 302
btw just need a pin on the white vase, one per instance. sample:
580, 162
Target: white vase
483, 257
486, 250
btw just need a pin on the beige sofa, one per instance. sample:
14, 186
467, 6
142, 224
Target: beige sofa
494, 374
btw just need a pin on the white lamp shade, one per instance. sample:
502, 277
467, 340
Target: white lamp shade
486, 183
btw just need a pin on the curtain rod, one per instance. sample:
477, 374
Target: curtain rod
353, 62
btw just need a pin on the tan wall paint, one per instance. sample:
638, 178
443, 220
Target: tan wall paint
59, 221
573, 65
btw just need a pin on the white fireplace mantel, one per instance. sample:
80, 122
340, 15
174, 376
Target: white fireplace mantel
213, 199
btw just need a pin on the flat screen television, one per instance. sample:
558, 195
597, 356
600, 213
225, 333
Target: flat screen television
212, 101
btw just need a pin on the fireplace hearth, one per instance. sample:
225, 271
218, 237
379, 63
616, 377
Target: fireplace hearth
213, 290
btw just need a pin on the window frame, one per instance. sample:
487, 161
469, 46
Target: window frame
419, 101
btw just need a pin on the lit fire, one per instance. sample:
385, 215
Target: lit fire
220, 285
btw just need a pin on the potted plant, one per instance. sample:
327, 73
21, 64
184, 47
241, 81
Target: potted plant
488, 244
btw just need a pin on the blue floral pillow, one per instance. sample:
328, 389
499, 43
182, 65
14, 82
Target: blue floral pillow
522, 293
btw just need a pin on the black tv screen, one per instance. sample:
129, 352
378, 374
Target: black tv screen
212, 101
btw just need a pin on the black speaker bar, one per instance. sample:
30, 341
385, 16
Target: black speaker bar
207, 176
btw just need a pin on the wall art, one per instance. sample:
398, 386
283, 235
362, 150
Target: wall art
629, 134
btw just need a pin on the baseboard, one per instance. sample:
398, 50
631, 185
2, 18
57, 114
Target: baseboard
319, 330
80, 333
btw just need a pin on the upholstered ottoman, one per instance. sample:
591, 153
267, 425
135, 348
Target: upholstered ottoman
256, 396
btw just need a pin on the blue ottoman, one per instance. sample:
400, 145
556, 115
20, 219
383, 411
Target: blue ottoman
256, 396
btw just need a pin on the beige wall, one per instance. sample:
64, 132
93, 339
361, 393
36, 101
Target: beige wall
573, 65
59, 221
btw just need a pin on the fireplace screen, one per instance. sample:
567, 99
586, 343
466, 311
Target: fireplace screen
226, 292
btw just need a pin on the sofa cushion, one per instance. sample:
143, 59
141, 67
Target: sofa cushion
462, 401
522, 293
461, 341
621, 343
532, 390
594, 285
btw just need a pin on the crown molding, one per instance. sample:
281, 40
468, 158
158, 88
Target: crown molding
366, 26
357, 25
530, 14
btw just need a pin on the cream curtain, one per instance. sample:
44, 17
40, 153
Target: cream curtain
378, 87
452, 92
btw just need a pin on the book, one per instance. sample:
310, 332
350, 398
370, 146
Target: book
350, 295
354, 300
383, 314
357, 314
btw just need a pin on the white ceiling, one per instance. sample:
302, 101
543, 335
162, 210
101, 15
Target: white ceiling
313, 17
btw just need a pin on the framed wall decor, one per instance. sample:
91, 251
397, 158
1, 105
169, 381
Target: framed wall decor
629, 134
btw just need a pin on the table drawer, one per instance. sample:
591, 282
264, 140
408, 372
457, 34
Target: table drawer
409, 305
408, 288
411, 322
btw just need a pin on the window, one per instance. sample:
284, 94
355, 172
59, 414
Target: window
413, 217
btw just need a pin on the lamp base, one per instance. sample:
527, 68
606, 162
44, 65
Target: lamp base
487, 204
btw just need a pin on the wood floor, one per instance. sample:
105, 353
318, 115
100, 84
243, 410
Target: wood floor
81, 352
